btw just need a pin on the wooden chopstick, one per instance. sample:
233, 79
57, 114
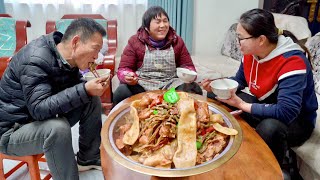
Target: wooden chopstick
236, 112
92, 68
217, 78
95, 73
147, 80
144, 79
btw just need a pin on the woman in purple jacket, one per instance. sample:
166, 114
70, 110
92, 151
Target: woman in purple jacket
153, 53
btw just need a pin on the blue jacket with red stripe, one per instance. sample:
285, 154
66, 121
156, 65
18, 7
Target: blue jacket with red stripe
282, 82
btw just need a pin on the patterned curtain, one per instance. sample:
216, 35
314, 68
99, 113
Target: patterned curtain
180, 13
2, 9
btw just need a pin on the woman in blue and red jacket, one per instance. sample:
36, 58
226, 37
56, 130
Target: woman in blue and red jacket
279, 76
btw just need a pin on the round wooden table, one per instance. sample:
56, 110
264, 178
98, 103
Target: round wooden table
254, 159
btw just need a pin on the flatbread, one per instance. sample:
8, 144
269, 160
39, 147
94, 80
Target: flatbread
131, 136
186, 154
162, 158
224, 130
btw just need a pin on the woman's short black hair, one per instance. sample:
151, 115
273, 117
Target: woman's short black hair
86, 27
152, 13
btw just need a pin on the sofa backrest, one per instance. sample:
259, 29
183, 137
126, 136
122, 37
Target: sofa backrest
313, 44
230, 45
296, 24
62, 24
13, 36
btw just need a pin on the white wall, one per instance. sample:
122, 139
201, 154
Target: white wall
212, 20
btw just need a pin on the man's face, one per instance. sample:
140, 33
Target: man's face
86, 52
159, 27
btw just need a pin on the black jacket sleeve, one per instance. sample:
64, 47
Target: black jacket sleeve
41, 101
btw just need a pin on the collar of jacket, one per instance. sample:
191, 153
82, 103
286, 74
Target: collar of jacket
143, 36
54, 38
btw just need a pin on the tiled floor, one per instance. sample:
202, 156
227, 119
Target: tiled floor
22, 173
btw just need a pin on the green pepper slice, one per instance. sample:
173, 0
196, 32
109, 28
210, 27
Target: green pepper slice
155, 112
198, 144
171, 96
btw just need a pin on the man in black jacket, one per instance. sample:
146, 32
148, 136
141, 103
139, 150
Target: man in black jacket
42, 95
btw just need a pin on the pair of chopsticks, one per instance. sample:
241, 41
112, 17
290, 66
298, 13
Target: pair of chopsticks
217, 78
147, 80
144, 79
95, 73
213, 79
236, 112
92, 67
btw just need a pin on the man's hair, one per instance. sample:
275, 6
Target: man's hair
85, 27
152, 13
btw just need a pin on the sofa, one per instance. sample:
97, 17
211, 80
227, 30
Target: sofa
309, 153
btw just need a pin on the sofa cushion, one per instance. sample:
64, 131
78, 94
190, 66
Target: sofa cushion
313, 44
206, 73
219, 65
230, 45
309, 152
295, 24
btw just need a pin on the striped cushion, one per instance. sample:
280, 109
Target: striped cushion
7, 36
230, 46
313, 44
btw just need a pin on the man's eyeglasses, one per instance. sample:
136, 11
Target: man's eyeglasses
240, 39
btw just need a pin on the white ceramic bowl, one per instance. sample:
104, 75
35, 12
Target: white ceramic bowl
102, 73
223, 87
186, 75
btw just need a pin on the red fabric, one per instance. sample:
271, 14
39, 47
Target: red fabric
270, 72
133, 54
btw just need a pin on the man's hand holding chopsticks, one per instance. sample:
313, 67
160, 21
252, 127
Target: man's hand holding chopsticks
97, 86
